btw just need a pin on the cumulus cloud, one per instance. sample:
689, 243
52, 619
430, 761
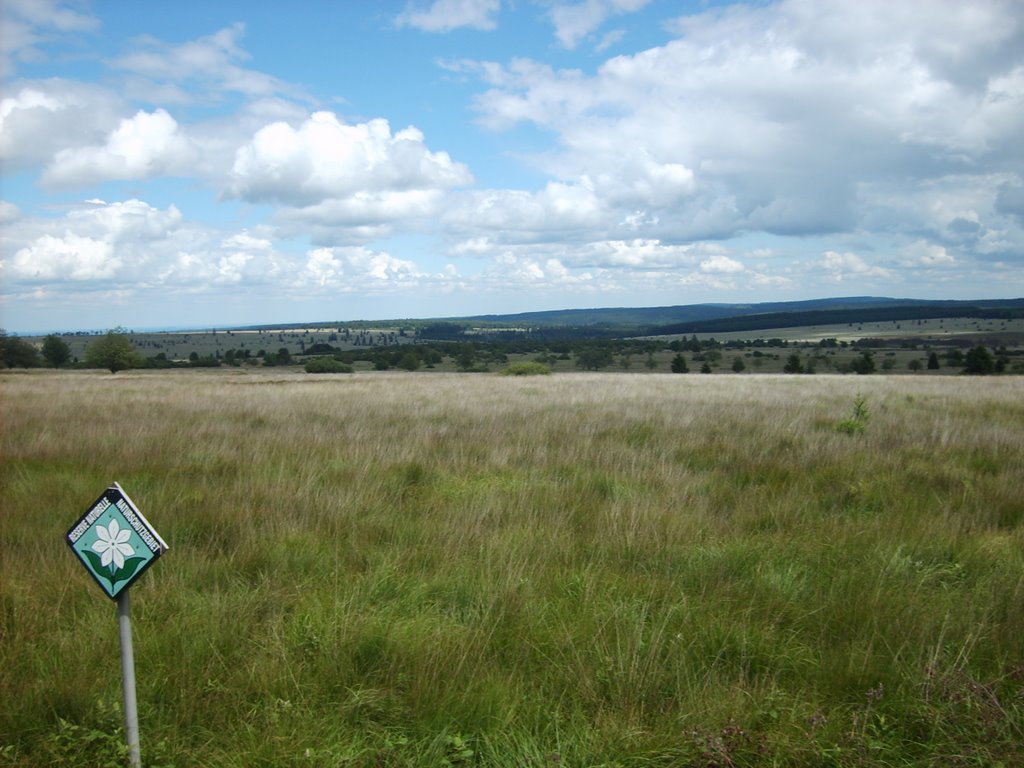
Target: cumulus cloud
779, 118
843, 266
634, 254
71, 257
145, 145
39, 118
128, 245
356, 268
927, 255
446, 15
362, 217
720, 265
95, 242
326, 159
559, 209
133, 246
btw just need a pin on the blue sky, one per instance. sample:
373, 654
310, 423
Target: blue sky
225, 163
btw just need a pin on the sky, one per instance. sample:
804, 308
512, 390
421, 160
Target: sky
213, 164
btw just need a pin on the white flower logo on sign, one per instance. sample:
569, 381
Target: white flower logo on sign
112, 545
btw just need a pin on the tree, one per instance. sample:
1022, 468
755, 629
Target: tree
738, 366
933, 362
594, 358
864, 364
409, 362
15, 352
113, 351
465, 357
793, 364
55, 351
679, 364
979, 362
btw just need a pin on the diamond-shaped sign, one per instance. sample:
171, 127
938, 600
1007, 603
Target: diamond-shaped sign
114, 541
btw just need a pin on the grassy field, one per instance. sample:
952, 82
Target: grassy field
569, 570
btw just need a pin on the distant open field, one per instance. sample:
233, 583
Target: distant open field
594, 569
936, 331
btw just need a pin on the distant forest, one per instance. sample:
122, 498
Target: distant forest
712, 318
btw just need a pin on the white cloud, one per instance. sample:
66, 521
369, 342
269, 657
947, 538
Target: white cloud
446, 15
131, 245
632, 178
634, 254
927, 255
624, 260
71, 257
351, 269
778, 118
519, 216
843, 266
146, 145
362, 217
326, 159
575, 21
8, 212
610, 39
95, 242
197, 69
41, 117
720, 265
28, 23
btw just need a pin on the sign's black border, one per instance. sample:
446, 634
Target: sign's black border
113, 494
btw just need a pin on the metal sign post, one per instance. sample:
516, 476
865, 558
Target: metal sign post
131, 707
116, 544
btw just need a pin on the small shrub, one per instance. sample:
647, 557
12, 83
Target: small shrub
532, 368
456, 750
858, 420
326, 365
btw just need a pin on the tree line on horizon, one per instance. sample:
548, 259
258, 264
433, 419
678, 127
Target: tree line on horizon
114, 351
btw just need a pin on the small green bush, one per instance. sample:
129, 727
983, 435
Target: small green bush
858, 421
531, 368
327, 365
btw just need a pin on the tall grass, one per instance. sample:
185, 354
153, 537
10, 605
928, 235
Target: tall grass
568, 570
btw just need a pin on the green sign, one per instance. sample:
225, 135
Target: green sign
114, 541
